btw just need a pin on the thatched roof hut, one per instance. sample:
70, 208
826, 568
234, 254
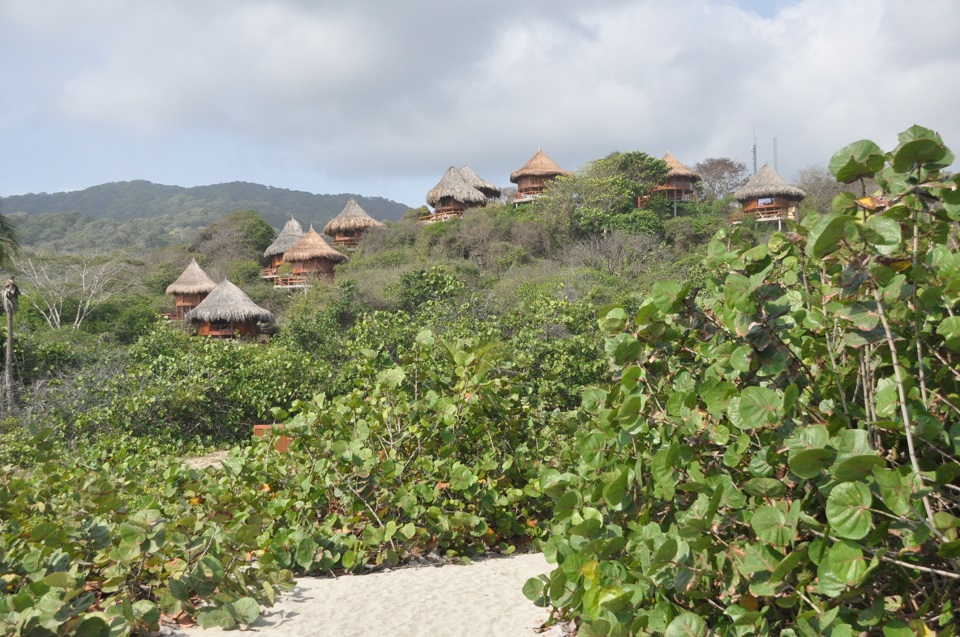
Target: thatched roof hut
348, 226
291, 233
767, 183
678, 186
190, 288
539, 166
472, 179
533, 176
193, 281
678, 169
451, 196
767, 197
453, 186
312, 258
312, 246
227, 311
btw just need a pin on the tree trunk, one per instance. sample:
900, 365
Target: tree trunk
10, 295
8, 368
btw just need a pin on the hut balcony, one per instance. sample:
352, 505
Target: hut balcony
291, 281
346, 240
767, 209
268, 273
443, 213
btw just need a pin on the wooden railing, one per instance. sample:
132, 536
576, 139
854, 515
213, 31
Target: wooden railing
766, 213
268, 273
290, 281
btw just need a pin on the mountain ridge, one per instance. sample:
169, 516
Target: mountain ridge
142, 214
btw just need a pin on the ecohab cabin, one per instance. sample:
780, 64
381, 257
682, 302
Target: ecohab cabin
291, 233
227, 312
189, 290
348, 227
768, 197
451, 197
310, 259
532, 178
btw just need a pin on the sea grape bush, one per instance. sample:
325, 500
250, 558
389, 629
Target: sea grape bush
780, 453
437, 451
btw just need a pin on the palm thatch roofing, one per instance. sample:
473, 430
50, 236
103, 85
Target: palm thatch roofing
228, 303
453, 185
288, 237
767, 183
474, 180
678, 169
539, 166
312, 246
193, 281
351, 219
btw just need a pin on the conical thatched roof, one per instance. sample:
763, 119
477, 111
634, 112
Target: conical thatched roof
677, 169
193, 281
288, 237
227, 302
453, 185
767, 183
474, 180
351, 219
539, 166
313, 246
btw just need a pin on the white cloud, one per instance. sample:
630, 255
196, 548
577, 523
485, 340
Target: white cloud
387, 93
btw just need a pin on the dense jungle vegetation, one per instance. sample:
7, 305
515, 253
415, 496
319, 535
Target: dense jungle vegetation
710, 430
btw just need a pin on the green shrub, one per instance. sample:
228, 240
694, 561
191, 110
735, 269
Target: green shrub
779, 453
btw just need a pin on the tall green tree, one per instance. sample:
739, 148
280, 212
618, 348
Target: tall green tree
603, 195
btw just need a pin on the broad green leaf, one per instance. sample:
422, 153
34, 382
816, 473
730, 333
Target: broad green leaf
245, 610
306, 552
917, 151
665, 295
60, 579
760, 407
949, 329
825, 236
855, 467
859, 159
765, 487
894, 490
533, 589
613, 321
883, 231
741, 358
808, 463
92, 626
216, 618
686, 625
847, 561
848, 510
770, 525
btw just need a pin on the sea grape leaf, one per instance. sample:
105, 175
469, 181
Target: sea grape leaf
686, 625
770, 525
859, 159
847, 561
949, 329
826, 234
759, 407
848, 510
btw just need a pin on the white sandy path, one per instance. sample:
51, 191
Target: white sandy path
483, 599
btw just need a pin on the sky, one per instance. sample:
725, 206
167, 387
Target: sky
380, 97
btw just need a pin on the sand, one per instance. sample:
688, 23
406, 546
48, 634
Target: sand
480, 599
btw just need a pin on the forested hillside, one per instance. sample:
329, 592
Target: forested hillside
143, 215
